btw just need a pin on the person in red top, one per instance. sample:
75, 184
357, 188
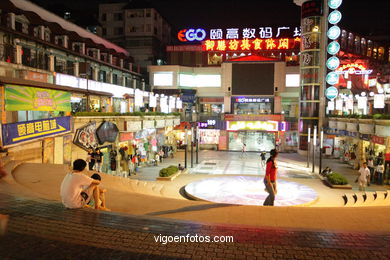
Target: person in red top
270, 178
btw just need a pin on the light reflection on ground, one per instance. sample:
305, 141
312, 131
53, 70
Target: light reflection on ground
248, 190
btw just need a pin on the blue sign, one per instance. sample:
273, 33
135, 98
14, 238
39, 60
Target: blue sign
331, 93
195, 35
29, 130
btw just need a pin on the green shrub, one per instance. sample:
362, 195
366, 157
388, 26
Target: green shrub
166, 172
337, 179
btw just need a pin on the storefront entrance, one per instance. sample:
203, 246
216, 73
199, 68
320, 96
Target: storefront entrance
255, 141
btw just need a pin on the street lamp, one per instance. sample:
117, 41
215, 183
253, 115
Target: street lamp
321, 146
308, 147
314, 147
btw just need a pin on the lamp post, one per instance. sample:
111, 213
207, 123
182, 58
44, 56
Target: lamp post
321, 146
192, 147
308, 147
197, 145
185, 149
314, 147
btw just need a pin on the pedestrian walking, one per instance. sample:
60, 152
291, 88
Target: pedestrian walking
263, 161
270, 178
243, 150
364, 176
91, 159
98, 158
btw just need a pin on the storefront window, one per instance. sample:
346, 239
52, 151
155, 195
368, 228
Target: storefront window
211, 109
209, 136
291, 138
78, 103
255, 141
252, 108
94, 103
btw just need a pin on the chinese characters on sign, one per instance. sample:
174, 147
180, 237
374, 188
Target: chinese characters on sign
250, 44
267, 32
252, 100
28, 130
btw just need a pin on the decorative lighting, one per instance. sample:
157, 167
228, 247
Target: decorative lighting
334, 4
334, 17
363, 94
334, 32
333, 48
350, 96
380, 90
357, 96
371, 94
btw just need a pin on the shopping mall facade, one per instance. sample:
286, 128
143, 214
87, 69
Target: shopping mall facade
65, 90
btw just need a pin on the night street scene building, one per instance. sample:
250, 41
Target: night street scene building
148, 129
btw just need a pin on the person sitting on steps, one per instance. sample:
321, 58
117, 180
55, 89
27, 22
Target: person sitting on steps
77, 189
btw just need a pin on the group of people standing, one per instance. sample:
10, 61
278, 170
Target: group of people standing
95, 159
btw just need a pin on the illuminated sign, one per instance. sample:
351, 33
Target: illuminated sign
333, 63
331, 93
267, 32
191, 35
334, 17
334, 32
209, 122
252, 125
332, 78
334, 4
29, 130
353, 68
379, 101
251, 44
251, 100
333, 48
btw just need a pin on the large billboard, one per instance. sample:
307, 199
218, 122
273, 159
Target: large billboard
253, 79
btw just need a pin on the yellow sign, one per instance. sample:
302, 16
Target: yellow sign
252, 125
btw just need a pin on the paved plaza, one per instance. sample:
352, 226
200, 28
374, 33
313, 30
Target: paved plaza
144, 209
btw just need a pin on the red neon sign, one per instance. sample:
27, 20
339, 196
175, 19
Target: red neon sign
250, 44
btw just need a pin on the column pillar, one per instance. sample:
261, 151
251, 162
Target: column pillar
312, 68
51, 62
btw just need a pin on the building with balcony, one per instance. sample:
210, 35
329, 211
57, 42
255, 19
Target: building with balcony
137, 27
51, 69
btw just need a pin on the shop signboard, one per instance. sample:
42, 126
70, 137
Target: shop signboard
36, 76
341, 126
331, 93
366, 129
127, 136
352, 127
232, 117
29, 130
378, 139
169, 122
107, 132
381, 130
365, 137
160, 123
85, 137
20, 98
379, 101
176, 121
252, 125
362, 102
147, 124
133, 126
352, 134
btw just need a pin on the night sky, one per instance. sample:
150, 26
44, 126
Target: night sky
358, 15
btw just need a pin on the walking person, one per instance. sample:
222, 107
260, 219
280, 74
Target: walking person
263, 161
243, 150
270, 178
364, 176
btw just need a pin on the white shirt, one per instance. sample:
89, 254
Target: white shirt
71, 187
364, 173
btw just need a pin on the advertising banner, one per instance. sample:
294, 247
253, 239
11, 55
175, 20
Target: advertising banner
133, 126
29, 130
85, 137
19, 98
222, 144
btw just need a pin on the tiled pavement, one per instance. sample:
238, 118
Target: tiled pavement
41, 229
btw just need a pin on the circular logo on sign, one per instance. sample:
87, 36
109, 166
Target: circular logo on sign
334, 17
334, 4
333, 48
334, 32
333, 63
332, 78
331, 93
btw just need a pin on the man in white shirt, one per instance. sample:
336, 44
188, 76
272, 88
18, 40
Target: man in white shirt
77, 188
364, 175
